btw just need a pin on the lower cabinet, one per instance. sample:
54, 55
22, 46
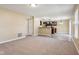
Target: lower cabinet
44, 31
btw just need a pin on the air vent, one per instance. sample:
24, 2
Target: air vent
19, 34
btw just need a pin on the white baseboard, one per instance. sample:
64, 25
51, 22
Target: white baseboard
62, 33
12, 39
75, 46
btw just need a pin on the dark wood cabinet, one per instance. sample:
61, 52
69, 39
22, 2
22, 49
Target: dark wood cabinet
51, 24
54, 30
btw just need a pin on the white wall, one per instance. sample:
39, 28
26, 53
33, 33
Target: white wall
75, 28
63, 26
11, 23
76, 23
70, 27
36, 25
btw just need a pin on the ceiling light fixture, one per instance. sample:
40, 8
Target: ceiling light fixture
33, 5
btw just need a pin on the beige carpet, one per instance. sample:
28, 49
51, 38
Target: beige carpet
39, 46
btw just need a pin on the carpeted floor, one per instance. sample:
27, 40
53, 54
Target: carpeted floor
39, 45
